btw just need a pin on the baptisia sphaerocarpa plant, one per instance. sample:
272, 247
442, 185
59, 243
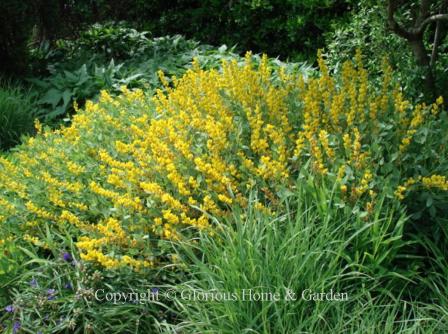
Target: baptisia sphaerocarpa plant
133, 170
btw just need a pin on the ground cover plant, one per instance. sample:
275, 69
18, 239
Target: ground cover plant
105, 200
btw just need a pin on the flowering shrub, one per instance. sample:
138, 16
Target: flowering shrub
133, 170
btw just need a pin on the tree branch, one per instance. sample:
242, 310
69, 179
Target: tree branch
431, 19
435, 45
393, 24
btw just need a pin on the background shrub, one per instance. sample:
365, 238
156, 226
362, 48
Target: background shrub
110, 56
366, 29
16, 114
282, 28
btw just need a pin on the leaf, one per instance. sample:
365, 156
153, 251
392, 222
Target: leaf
429, 201
39, 83
222, 48
432, 211
422, 135
66, 97
52, 97
55, 113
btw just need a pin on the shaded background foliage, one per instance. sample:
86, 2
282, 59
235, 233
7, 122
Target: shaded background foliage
281, 28
290, 29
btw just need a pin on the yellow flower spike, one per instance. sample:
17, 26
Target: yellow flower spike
39, 212
341, 172
195, 66
399, 193
356, 149
264, 69
33, 240
6, 206
323, 137
104, 98
170, 217
38, 126
163, 79
435, 181
225, 199
75, 168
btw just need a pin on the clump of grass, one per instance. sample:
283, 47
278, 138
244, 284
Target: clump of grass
311, 245
16, 114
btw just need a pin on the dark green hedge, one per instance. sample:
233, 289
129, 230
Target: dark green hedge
286, 28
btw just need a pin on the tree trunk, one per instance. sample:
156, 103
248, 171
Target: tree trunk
423, 61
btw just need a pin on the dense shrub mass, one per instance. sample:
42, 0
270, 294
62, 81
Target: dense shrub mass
105, 57
132, 170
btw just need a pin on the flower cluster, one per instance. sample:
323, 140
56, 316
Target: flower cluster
133, 171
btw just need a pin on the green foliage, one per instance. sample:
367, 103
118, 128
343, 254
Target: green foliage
287, 28
429, 205
105, 57
10, 268
56, 294
367, 30
312, 245
58, 92
109, 56
110, 40
16, 114
280, 28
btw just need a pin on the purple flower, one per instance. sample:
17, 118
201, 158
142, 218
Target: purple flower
9, 309
67, 257
51, 294
16, 327
33, 283
68, 286
155, 290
